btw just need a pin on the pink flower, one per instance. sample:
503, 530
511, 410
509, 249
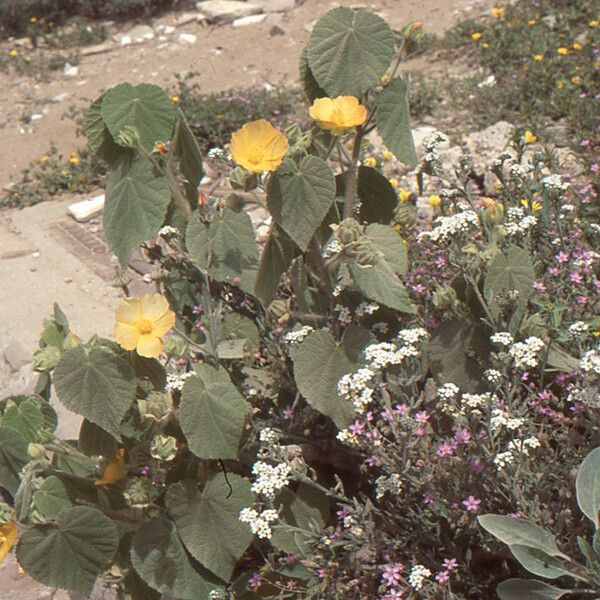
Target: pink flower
446, 448
442, 577
539, 286
288, 413
422, 417
392, 574
255, 581
450, 564
575, 278
471, 503
462, 436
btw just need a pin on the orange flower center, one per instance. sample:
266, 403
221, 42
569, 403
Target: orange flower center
144, 326
255, 155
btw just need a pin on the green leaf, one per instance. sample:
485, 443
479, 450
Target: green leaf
60, 318
319, 363
13, 457
587, 486
514, 271
149, 368
311, 88
94, 441
392, 118
100, 141
185, 148
520, 532
349, 50
458, 350
208, 522
145, 107
378, 197
26, 417
51, 497
529, 589
97, 385
558, 358
70, 552
212, 414
538, 562
391, 245
159, 557
299, 197
137, 197
232, 349
227, 249
277, 256
235, 326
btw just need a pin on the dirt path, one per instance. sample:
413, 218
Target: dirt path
223, 55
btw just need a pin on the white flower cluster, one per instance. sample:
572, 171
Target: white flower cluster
216, 595
493, 376
503, 338
334, 246
589, 396
366, 308
448, 391
590, 362
345, 436
524, 354
555, 183
474, 402
412, 336
578, 328
270, 479
447, 227
431, 145
392, 484
353, 387
167, 231
351, 524
519, 171
517, 222
269, 436
344, 315
295, 337
175, 381
501, 418
383, 354
514, 448
260, 523
216, 154
417, 576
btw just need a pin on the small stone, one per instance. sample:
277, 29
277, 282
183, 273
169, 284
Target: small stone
70, 70
249, 20
68, 280
35, 117
187, 38
275, 5
225, 11
276, 30
125, 40
60, 97
141, 33
36, 254
16, 356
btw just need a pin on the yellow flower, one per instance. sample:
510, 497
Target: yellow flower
563, 51
27, 58
485, 45
529, 138
536, 206
394, 182
531, 22
577, 46
32, 19
45, 158
115, 470
576, 80
141, 322
8, 535
338, 114
404, 195
175, 99
13, 53
434, 200
560, 85
384, 79
594, 23
497, 12
370, 162
524, 203
476, 36
74, 158
387, 155
258, 146
538, 57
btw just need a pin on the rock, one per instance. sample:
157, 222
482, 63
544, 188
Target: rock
225, 11
569, 162
559, 133
272, 6
96, 49
421, 133
86, 209
187, 38
124, 40
141, 33
70, 70
249, 20
16, 356
276, 30
450, 156
185, 18
487, 144
550, 21
60, 97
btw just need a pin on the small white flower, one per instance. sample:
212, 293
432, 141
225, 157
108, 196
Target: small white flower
524, 354
448, 227
297, 336
503, 338
417, 575
260, 523
392, 484
216, 154
270, 479
175, 381
167, 231
590, 362
269, 436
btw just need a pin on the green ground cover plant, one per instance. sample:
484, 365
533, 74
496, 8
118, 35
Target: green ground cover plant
356, 409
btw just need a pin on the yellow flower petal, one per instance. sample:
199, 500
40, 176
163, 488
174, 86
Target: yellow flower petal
129, 310
8, 535
127, 336
338, 114
153, 306
258, 146
115, 470
149, 346
164, 324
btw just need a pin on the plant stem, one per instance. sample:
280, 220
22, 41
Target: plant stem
319, 263
351, 175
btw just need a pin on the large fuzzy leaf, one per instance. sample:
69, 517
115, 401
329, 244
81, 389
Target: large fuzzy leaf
529, 589
378, 197
513, 271
13, 457
587, 486
100, 141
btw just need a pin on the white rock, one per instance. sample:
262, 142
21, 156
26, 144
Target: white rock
125, 40
249, 20
225, 11
275, 5
168, 30
187, 38
86, 209
60, 97
36, 117
70, 70
141, 33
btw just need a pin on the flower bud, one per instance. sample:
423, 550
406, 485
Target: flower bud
139, 492
45, 359
367, 254
128, 137
156, 406
444, 297
71, 341
36, 450
349, 231
163, 447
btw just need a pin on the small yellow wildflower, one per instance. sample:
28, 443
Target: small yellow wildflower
8, 535
563, 51
74, 158
387, 155
538, 57
576, 80
434, 200
141, 322
594, 23
394, 182
404, 195
115, 470
497, 12
33, 19
485, 45
476, 36
258, 146
370, 162
27, 58
524, 203
384, 78
13, 53
531, 22
64, 172
577, 46
174, 99
536, 206
338, 114
560, 85
45, 158
365, 143
529, 138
